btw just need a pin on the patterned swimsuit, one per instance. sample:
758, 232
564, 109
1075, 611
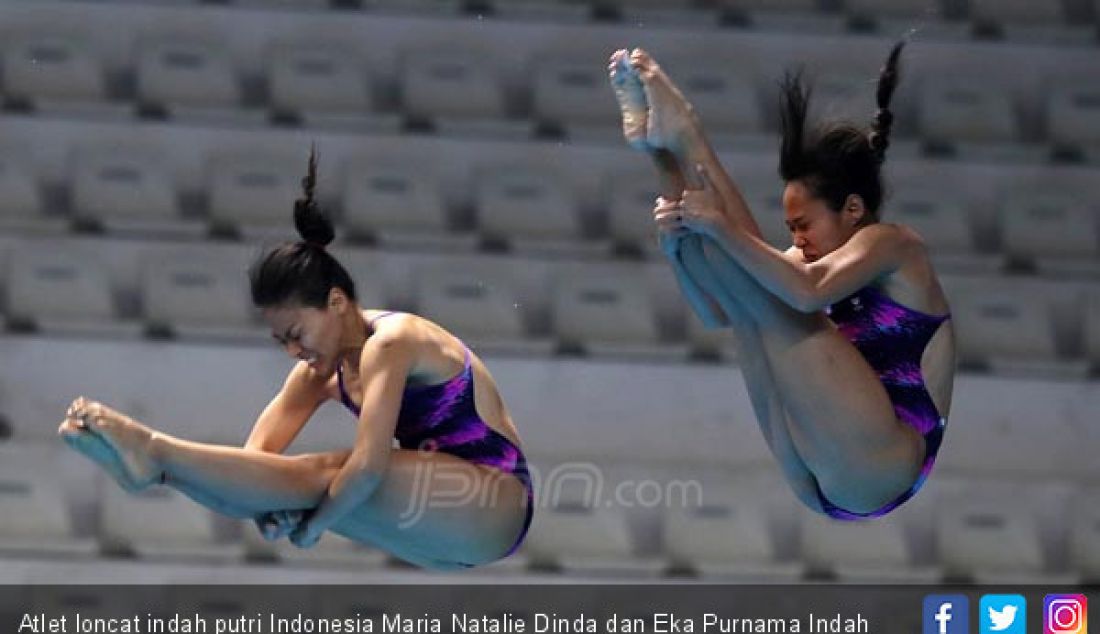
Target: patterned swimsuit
442, 417
892, 339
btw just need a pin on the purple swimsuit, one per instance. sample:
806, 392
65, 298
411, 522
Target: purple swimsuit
892, 338
442, 417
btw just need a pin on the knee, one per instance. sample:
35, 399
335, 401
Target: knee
321, 465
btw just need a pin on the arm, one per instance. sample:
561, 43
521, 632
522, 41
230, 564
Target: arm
283, 418
386, 361
874, 251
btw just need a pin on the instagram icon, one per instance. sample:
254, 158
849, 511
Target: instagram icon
1065, 614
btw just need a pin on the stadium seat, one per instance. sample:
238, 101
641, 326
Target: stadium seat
253, 192
451, 83
1038, 223
399, 203
199, 292
187, 75
159, 523
985, 539
32, 502
479, 303
1073, 112
527, 207
129, 190
573, 94
954, 109
607, 309
725, 541
62, 292
22, 209
870, 551
317, 82
52, 69
586, 540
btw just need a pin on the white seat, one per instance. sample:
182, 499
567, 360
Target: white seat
32, 503
844, 95
1016, 11
725, 98
159, 523
307, 79
62, 291
479, 303
128, 191
725, 540
940, 217
1084, 537
1048, 223
254, 192
399, 203
1073, 112
586, 540
199, 292
1006, 324
573, 94
965, 109
46, 68
22, 207
979, 537
874, 550
527, 207
451, 83
607, 309
186, 73
631, 196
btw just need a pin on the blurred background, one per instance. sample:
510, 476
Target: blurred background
471, 157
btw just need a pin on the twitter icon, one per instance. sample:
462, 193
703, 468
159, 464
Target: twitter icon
1003, 614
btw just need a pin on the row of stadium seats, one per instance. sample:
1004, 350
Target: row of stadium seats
502, 303
982, 12
178, 71
976, 536
464, 194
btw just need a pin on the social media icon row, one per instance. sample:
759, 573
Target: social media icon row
1004, 614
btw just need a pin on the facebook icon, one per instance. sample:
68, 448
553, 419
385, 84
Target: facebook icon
946, 614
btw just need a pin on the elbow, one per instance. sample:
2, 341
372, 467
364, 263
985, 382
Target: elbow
365, 476
808, 301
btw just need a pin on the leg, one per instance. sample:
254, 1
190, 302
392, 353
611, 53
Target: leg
771, 416
841, 422
414, 514
674, 127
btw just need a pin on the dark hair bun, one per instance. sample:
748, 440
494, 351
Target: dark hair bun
312, 224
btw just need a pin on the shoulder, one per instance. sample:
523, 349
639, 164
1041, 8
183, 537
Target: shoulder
898, 241
397, 338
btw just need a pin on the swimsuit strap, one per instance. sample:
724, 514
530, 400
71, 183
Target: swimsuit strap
384, 314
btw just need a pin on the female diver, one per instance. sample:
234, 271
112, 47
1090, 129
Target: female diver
845, 339
456, 493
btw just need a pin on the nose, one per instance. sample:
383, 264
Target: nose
800, 240
293, 348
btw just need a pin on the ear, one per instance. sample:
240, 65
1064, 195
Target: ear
854, 211
337, 300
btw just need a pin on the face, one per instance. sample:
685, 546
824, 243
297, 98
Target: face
816, 229
310, 334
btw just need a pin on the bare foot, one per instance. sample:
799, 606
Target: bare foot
672, 122
129, 440
630, 93
77, 436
